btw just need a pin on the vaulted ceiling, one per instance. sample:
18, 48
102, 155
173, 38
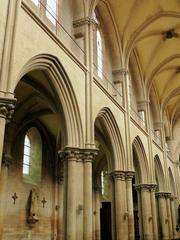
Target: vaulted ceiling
150, 29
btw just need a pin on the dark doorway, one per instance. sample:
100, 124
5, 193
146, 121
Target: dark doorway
105, 214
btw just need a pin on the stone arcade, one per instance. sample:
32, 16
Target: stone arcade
89, 119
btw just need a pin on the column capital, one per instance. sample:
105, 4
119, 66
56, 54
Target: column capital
172, 198
89, 154
142, 104
146, 187
117, 174
84, 21
7, 106
78, 154
129, 175
163, 194
120, 71
69, 153
7, 160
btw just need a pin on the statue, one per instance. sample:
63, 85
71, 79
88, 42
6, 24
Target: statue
33, 207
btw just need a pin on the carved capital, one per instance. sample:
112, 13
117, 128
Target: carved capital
84, 21
7, 108
7, 160
163, 194
118, 175
89, 154
172, 198
129, 175
69, 154
121, 71
146, 187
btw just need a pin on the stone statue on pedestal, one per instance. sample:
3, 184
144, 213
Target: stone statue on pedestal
33, 207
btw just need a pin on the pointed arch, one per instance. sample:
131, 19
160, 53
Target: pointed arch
140, 160
63, 90
111, 130
110, 23
159, 173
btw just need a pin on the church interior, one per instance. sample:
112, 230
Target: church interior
89, 120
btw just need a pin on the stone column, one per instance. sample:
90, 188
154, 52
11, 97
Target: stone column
173, 214
154, 211
121, 214
146, 211
3, 186
163, 215
169, 215
6, 111
59, 206
129, 177
97, 191
88, 210
80, 197
70, 156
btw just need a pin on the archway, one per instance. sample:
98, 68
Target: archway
109, 159
139, 182
45, 102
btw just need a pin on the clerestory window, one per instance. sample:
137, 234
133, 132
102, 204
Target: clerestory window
36, 2
51, 10
99, 54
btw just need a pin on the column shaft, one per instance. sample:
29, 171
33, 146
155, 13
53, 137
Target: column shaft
71, 197
3, 201
60, 209
169, 217
2, 131
154, 215
172, 206
88, 198
121, 214
129, 177
79, 199
163, 217
146, 215
97, 215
